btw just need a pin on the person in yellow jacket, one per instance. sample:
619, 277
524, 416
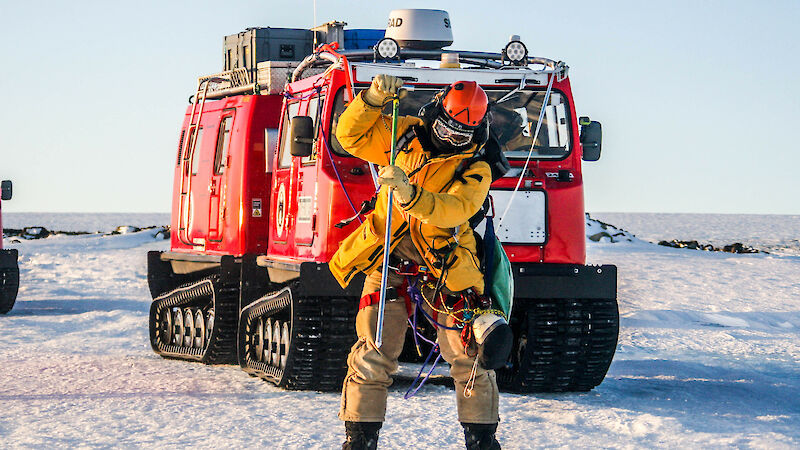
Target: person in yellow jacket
437, 187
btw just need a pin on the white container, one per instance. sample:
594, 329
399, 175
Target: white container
421, 29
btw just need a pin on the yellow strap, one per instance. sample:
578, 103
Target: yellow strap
452, 313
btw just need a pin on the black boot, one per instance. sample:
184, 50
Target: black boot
480, 436
361, 435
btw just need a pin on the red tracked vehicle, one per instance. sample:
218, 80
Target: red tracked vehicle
261, 184
9, 270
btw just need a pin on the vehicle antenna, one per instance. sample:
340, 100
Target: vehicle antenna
314, 25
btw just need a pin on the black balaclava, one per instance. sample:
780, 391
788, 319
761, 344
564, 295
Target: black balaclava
436, 146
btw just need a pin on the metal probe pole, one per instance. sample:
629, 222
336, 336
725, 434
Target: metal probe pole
388, 236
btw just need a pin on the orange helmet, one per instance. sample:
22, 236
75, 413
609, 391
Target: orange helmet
465, 102
457, 116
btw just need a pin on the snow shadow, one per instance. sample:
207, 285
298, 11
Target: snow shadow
78, 306
756, 320
685, 390
162, 396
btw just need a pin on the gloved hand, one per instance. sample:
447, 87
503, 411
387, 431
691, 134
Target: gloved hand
396, 179
382, 87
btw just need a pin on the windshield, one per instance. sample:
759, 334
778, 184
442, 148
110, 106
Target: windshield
513, 121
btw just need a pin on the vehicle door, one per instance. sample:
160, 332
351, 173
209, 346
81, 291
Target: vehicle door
307, 185
283, 185
217, 186
195, 187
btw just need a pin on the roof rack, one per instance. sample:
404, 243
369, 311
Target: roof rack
270, 77
481, 59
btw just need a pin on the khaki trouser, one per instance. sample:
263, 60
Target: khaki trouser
370, 368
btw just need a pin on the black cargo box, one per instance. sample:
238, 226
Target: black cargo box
254, 45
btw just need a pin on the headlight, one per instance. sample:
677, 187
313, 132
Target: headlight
387, 48
515, 51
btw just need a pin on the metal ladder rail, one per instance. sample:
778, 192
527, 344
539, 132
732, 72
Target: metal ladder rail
186, 187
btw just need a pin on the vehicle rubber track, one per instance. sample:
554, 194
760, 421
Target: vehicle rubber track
297, 342
562, 345
196, 322
9, 279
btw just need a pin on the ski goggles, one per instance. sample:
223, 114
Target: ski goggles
446, 133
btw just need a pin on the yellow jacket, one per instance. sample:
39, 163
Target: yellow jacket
435, 218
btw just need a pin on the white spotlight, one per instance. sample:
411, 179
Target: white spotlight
387, 48
515, 51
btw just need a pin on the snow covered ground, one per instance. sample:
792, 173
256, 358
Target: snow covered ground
709, 355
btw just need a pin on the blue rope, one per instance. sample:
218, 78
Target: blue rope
416, 297
338, 177
412, 390
416, 334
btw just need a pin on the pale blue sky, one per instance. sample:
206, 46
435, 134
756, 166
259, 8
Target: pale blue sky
696, 98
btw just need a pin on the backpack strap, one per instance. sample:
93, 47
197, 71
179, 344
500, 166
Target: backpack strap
465, 164
405, 140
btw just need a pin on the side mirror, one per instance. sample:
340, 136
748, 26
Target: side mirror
591, 138
6, 188
301, 135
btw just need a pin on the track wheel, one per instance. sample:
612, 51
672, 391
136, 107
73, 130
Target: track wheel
199, 329
209, 325
279, 351
167, 327
285, 345
177, 320
188, 322
268, 351
258, 346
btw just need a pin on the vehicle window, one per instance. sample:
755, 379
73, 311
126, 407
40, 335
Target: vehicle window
197, 148
409, 106
315, 105
514, 122
338, 109
270, 146
223, 142
286, 154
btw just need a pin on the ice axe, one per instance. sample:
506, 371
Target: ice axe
388, 236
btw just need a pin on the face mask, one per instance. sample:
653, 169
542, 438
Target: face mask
440, 147
445, 133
